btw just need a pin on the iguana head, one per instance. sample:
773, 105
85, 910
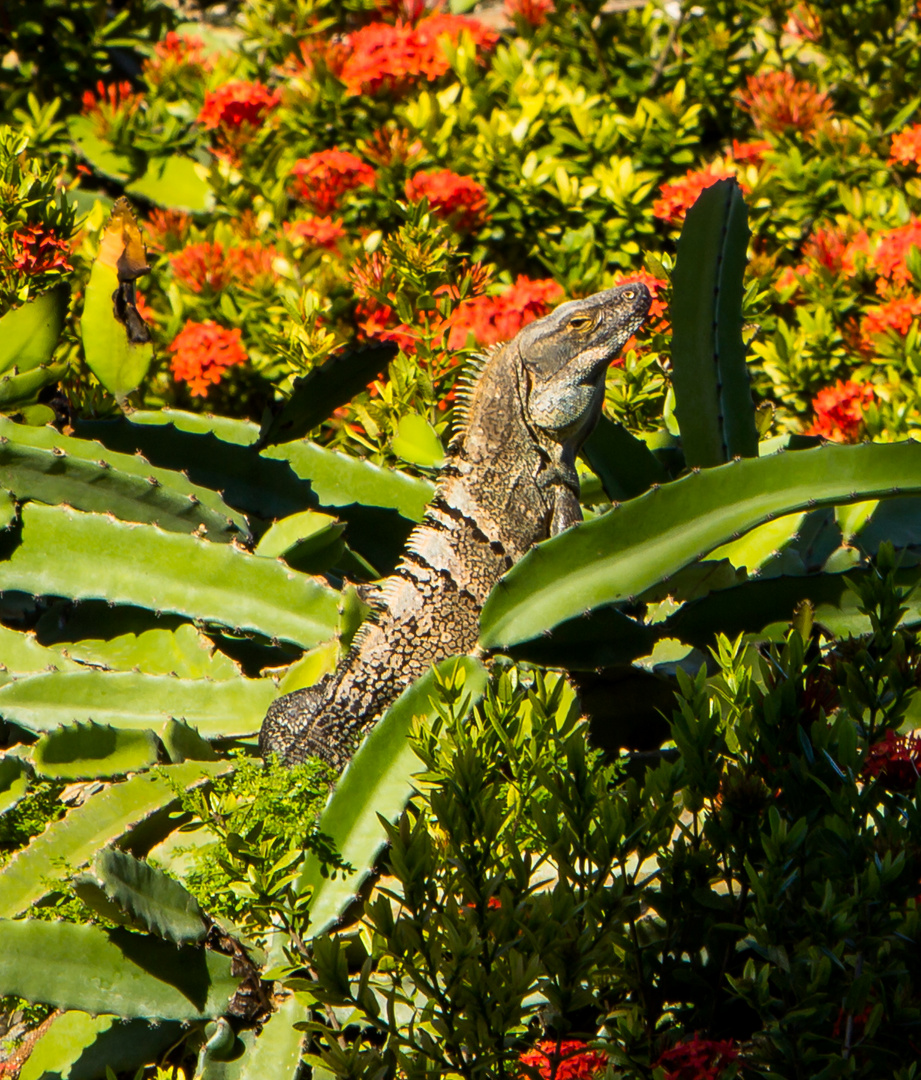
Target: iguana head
566, 353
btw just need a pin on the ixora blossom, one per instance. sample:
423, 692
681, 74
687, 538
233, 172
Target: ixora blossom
235, 104
36, 251
897, 314
202, 266
323, 178
890, 260
780, 103
572, 1060
384, 57
458, 199
202, 352
678, 196
532, 12
176, 55
167, 228
490, 319
109, 103
906, 147
317, 232
839, 410
895, 761
698, 1059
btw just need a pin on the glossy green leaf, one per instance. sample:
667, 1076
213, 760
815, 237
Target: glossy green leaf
30, 333
88, 751
417, 442
98, 153
132, 975
130, 700
147, 567
709, 374
176, 182
624, 552
111, 815
377, 783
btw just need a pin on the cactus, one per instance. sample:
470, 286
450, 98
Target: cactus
28, 337
87, 751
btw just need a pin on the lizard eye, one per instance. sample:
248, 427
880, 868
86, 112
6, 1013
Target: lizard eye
630, 294
581, 322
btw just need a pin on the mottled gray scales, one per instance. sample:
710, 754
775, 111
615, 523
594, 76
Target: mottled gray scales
509, 481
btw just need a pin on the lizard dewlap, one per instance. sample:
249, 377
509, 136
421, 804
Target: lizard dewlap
509, 481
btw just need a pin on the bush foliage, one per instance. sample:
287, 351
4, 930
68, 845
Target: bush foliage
304, 216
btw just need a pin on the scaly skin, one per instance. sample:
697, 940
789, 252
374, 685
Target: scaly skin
509, 481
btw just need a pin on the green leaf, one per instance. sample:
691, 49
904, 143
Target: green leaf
376, 784
87, 751
176, 182
117, 362
184, 652
98, 153
149, 568
39, 463
709, 375
111, 815
78, 1046
164, 906
15, 775
623, 463
417, 442
329, 386
133, 975
626, 551
29, 334
219, 710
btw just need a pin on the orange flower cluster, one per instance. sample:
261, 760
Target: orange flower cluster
490, 319
458, 199
890, 260
894, 761
839, 410
831, 248
906, 147
213, 267
780, 103
749, 153
897, 314
323, 178
175, 55
235, 104
167, 228
699, 1059
110, 102
202, 352
678, 196
38, 252
321, 232
573, 1060
392, 58
532, 12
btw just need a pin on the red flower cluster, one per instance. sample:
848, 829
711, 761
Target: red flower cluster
490, 319
202, 352
890, 260
176, 54
906, 147
458, 199
235, 104
532, 12
391, 145
897, 314
322, 232
895, 761
573, 1061
109, 103
167, 228
323, 178
839, 410
38, 252
211, 266
699, 1059
392, 58
831, 248
678, 196
780, 103
749, 153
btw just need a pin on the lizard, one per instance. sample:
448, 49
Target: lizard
509, 480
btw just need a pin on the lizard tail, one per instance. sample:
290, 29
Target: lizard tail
289, 726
